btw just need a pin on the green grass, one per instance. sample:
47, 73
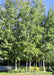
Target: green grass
37, 73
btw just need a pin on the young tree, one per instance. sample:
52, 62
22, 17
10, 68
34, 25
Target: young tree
47, 42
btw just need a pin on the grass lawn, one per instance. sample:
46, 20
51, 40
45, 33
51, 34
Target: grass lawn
37, 73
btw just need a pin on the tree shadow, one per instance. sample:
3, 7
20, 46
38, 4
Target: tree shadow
53, 73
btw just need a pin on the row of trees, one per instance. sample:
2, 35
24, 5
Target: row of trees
26, 33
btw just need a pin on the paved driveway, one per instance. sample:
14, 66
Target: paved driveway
3, 68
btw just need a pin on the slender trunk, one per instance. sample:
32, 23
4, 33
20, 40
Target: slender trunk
8, 62
26, 65
41, 63
44, 65
30, 65
15, 64
19, 64
36, 62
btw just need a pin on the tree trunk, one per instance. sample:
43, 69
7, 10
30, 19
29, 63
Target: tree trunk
44, 65
8, 62
15, 64
41, 63
36, 62
26, 65
19, 64
30, 65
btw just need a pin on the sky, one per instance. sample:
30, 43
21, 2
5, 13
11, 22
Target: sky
48, 3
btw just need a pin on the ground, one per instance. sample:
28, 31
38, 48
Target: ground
37, 73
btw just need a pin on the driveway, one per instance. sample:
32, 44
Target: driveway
3, 68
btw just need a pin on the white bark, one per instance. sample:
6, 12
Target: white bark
41, 63
15, 64
30, 65
44, 65
26, 65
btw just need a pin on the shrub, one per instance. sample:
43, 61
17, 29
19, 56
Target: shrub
37, 68
32, 68
13, 71
41, 68
23, 69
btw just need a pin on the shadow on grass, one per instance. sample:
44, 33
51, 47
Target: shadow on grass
53, 73
4, 71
